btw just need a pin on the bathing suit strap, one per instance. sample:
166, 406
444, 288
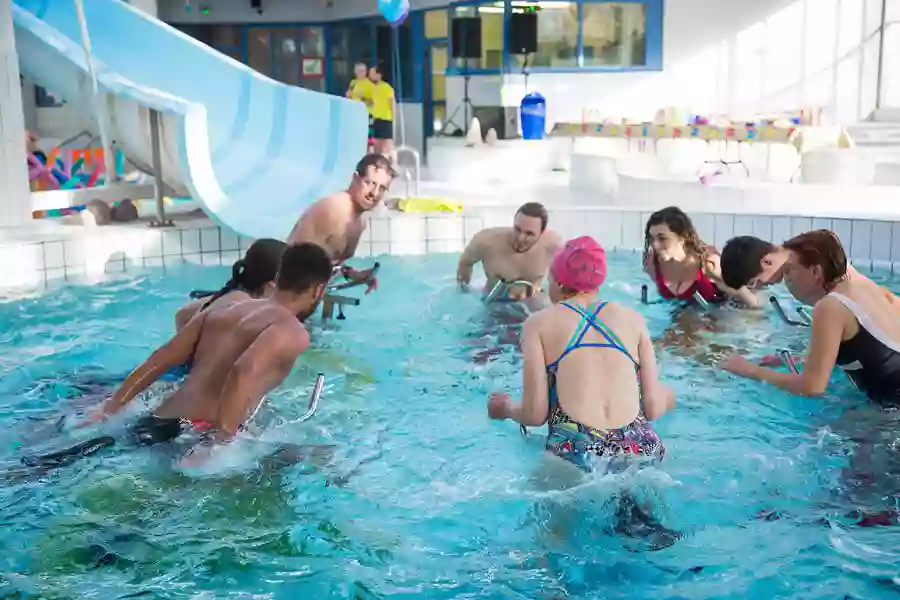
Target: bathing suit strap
588, 321
866, 322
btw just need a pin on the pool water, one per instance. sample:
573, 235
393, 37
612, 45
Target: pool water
414, 492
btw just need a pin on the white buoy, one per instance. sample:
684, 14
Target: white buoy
473, 138
491, 137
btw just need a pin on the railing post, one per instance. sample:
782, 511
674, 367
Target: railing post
161, 220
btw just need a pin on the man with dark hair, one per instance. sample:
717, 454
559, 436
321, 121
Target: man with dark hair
338, 221
522, 252
238, 353
749, 263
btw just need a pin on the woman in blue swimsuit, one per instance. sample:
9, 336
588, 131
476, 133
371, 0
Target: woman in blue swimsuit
589, 370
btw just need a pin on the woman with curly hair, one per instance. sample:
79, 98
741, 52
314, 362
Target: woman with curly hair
679, 263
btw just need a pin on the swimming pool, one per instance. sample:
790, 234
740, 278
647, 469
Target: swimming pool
419, 495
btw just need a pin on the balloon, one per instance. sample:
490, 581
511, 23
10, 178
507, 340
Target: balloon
394, 11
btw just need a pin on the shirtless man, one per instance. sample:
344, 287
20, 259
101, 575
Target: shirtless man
522, 252
338, 221
238, 352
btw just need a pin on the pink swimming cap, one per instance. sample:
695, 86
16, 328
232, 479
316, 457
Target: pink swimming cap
580, 265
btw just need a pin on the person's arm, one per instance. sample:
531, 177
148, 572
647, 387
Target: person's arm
827, 330
259, 370
472, 255
179, 350
535, 406
657, 398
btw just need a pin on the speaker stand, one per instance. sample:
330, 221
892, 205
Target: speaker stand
525, 72
467, 103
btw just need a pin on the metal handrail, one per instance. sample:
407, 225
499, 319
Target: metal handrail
700, 300
502, 286
415, 154
788, 359
784, 316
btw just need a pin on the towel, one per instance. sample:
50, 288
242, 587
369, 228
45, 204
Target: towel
428, 205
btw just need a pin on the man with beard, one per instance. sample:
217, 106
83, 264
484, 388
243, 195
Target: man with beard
238, 353
522, 252
337, 222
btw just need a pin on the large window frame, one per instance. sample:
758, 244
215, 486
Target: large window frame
653, 40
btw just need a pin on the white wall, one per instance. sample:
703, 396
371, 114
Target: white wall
275, 11
731, 56
890, 84
15, 199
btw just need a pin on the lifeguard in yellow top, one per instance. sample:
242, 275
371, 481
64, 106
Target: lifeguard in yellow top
382, 111
361, 88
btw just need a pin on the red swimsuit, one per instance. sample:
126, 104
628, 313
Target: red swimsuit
702, 285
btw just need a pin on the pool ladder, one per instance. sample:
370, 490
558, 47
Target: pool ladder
417, 164
502, 286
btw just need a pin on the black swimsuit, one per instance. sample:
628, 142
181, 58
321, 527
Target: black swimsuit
870, 358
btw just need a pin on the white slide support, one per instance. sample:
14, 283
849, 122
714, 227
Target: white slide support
253, 152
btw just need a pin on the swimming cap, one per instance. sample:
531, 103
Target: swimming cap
580, 265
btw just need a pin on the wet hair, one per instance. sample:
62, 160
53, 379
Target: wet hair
303, 266
251, 273
681, 225
379, 161
742, 259
821, 248
536, 210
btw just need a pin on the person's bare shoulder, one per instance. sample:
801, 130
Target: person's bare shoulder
492, 236
291, 337
553, 242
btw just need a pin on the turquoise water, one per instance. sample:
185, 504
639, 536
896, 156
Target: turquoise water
415, 493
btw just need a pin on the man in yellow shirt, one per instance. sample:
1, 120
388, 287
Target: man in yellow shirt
382, 112
361, 89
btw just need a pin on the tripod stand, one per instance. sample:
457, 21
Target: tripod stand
466, 103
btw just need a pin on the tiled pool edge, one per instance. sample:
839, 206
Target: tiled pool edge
870, 243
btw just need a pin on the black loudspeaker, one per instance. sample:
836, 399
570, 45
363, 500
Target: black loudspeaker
466, 37
523, 33
503, 120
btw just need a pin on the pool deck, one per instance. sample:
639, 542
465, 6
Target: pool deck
47, 250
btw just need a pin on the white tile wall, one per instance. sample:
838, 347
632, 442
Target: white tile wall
118, 249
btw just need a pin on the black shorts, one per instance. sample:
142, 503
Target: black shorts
382, 130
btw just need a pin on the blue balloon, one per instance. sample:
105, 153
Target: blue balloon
394, 11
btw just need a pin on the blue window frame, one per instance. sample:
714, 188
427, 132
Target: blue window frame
578, 36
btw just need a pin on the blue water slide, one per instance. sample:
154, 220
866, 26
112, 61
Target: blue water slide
252, 151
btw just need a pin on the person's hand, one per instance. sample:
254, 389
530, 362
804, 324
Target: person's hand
371, 285
498, 406
738, 365
771, 360
95, 414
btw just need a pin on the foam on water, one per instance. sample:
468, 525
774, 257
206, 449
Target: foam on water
402, 487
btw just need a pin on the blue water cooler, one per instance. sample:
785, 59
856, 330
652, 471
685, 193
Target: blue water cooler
533, 116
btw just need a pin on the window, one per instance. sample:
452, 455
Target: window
571, 34
491, 15
279, 52
614, 34
400, 76
436, 24
557, 33
349, 44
